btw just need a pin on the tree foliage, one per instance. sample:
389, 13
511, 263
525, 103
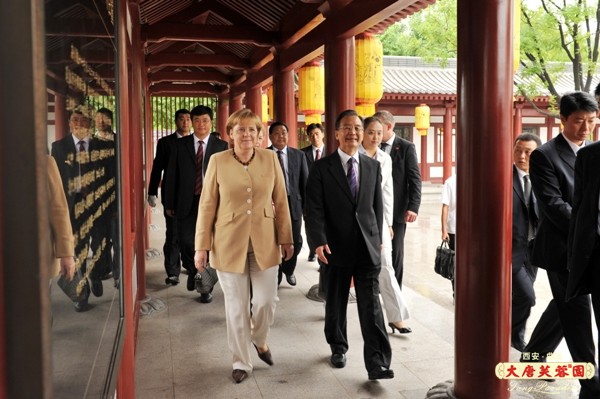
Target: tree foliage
555, 37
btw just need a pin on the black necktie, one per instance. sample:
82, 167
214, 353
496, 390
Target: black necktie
530, 206
383, 146
280, 157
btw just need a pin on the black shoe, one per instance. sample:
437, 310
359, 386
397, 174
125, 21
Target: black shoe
312, 257
265, 356
97, 287
117, 283
172, 280
191, 282
206, 298
239, 375
81, 306
338, 360
401, 330
291, 279
381, 374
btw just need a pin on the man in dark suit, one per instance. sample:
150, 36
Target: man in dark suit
295, 171
407, 186
552, 177
313, 153
164, 148
78, 158
185, 175
524, 223
584, 231
344, 215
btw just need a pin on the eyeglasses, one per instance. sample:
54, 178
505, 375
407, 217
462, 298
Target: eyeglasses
349, 129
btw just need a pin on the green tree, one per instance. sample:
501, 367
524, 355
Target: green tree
555, 36
568, 33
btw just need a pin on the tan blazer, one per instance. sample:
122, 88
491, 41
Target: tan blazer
239, 205
60, 224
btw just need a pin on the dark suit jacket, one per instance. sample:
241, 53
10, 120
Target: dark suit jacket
181, 173
310, 158
407, 178
297, 175
164, 148
552, 168
333, 215
520, 223
65, 154
584, 221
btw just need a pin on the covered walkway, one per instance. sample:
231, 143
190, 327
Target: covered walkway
182, 351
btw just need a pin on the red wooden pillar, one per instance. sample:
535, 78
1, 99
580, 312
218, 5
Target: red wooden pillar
222, 116
447, 141
235, 101
126, 379
424, 168
61, 117
549, 127
339, 84
517, 122
254, 100
483, 281
284, 101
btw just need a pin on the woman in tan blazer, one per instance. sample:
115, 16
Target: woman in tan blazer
244, 221
60, 224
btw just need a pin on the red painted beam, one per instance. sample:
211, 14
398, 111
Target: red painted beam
207, 33
200, 60
170, 76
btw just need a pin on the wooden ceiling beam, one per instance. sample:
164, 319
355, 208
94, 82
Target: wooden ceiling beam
171, 76
188, 89
353, 19
206, 33
199, 60
75, 28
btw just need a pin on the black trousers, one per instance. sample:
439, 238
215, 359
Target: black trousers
377, 350
171, 247
523, 298
574, 318
186, 231
398, 250
288, 266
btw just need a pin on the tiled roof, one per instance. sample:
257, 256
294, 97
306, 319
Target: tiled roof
412, 75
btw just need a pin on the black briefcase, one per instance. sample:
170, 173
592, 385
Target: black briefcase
444, 261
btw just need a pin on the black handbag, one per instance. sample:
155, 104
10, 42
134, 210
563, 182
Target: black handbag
206, 280
78, 289
444, 261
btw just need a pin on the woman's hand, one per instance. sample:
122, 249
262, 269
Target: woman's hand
200, 259
288, 251
67, 267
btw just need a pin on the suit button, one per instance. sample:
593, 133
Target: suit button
248, 211
248, 189
249, 200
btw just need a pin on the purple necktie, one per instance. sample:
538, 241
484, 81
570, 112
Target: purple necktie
199, 160
351, 175
317, 154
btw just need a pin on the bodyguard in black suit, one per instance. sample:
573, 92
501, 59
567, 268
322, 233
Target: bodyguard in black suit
184, 184
584, 232
295, 171
524, 223
313, 153
344, 215
407, 187
552, 177
164, 148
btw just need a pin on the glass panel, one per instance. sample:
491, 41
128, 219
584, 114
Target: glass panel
82, 139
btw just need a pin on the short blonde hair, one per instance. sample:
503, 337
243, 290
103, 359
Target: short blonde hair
243, 114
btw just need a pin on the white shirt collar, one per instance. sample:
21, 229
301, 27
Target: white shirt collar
574, 146
345, 157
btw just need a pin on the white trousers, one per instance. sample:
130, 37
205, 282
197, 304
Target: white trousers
245, 327
391, 294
